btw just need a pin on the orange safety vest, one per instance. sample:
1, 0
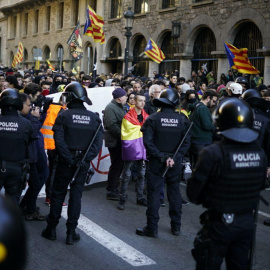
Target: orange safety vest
46, 129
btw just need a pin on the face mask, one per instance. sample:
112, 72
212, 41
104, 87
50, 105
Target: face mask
86, 83
191, 100
57, 83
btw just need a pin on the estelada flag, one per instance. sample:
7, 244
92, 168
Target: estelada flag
50, 65
238, 59
154, 52
93, 26
18, 57
75, 43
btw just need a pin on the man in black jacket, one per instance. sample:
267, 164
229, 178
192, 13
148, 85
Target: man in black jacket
162, 133
113, 116
227, 180
73, 131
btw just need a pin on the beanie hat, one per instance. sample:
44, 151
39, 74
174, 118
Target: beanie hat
118, 92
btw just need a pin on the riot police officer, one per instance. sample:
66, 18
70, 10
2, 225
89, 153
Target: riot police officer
15, 133
227, 180
73, 131
162, 133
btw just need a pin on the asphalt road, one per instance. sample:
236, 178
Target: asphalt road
108, 233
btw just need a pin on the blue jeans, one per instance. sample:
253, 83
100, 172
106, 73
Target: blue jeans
126, 175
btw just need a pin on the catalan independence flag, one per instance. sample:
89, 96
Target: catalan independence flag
18, 56
93, 26
132, 137
154, 52
50, 65
238, 59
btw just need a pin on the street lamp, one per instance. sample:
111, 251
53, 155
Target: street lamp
129, 16
176, 32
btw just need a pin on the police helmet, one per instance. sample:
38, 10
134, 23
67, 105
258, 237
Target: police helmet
75, 91
236, 88
254, 99
243, 80
10, 97
12, 236
167, 97
234, 119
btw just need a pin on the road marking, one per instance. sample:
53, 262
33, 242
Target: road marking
112, 243
263, 214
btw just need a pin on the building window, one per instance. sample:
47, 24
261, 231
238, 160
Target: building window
75, 12
35, 23
167, 4
116, 9
14, 26
115, 49
92, 4
25, 24
141, 6
60, 15
48, 19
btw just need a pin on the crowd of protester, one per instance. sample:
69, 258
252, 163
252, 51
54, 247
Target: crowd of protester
35, 85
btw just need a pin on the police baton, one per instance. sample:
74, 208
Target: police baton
178, 148
85, 154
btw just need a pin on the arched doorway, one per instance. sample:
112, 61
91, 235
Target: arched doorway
116, 66
142, 67
60, 55
169, 49
249, 36
25, 56
88, 58
46, 54
204, 44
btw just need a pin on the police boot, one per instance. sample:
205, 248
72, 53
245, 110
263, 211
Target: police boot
72, 237
266, 222
49, 233
145, 231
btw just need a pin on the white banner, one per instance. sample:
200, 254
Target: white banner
100, 97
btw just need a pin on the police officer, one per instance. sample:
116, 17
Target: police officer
244, 82
162, 133
15, 133
73, 131
227, 180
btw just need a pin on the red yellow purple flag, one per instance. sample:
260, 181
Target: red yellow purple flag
18, 56
238, 59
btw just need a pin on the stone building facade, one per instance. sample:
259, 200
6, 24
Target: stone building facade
204, 26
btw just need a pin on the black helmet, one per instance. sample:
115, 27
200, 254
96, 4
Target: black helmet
75, 91
234, 119
168, 96
243, 80
254, 99
12, 236
10, 97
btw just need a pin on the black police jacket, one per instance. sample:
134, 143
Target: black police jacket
73, 131
228, 177
163, 132
15, 134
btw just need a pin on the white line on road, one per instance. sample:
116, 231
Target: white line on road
112, 243
263, 214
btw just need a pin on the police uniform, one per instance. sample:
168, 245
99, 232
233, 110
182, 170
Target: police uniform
227, 180
162, 133
73, 131
15, 133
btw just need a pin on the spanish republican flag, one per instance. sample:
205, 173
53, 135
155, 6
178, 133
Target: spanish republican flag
132, 137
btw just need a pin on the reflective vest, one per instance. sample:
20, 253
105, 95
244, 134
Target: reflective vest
46, 129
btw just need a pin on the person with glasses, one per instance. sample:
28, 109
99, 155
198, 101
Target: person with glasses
203, 126
154, 92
